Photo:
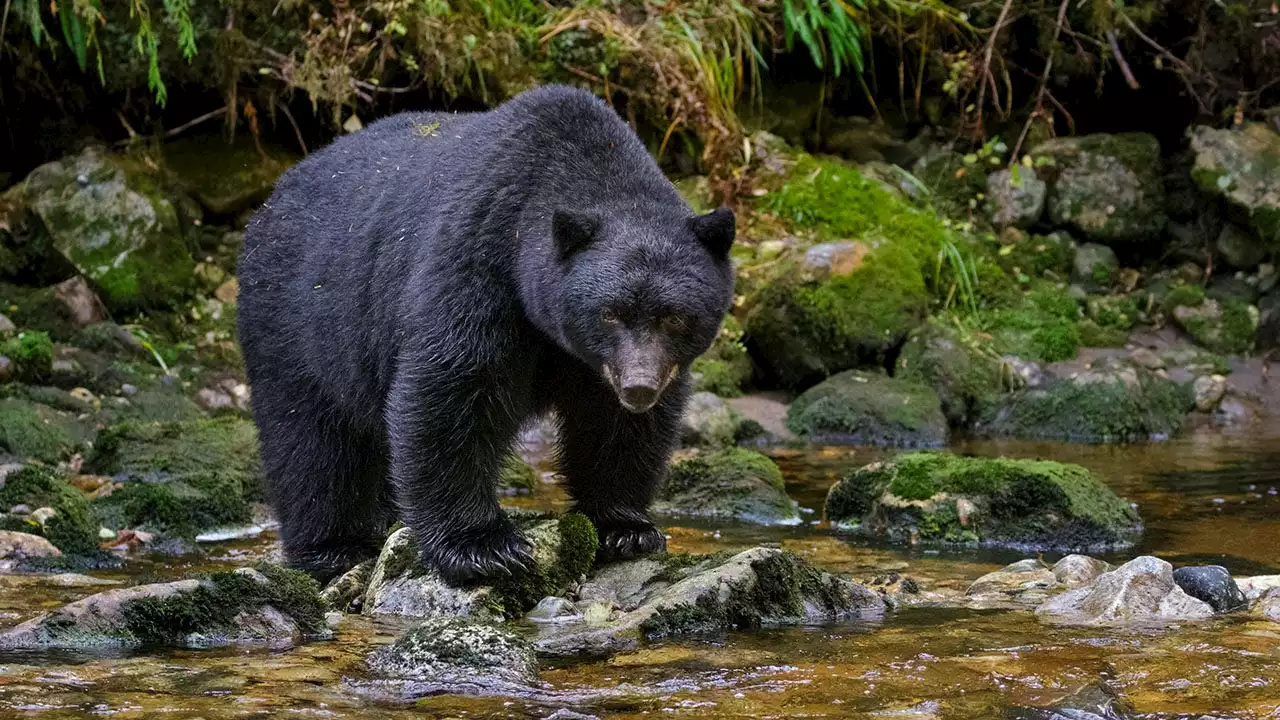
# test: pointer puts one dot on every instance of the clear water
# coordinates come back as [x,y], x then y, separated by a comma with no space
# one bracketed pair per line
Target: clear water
[1205,499]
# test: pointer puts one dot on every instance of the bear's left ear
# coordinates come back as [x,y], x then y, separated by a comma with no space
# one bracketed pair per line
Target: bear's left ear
[715,230]
[573,232]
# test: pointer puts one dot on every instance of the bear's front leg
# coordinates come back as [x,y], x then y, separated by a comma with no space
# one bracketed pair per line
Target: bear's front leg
[614,460]
[449,431]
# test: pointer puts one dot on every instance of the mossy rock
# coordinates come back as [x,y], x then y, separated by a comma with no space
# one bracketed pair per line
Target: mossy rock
[1225,326]
[109,217]
[458,651]
[31,353]
[1109,187]
[38,432]
[27,255]
[39,309]
[180,477]
[1043,328]
[944,498]
[1037,256]
[1126,405]
[74,528]
[812,318]
[518,477]
[564,551]
[724,369]
[733,483]
[226,177]
[869,408]
[1242,166]
[266,604]
[960,367]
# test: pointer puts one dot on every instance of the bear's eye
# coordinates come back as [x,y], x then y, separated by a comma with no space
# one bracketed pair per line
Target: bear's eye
[610,317]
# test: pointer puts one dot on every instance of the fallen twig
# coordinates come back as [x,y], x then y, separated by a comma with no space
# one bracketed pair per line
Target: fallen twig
[1124,65]
[1044,81]
[192,123]
[986,62]
[296,131]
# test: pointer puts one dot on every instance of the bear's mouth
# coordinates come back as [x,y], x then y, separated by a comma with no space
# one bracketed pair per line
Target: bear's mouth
[639,393]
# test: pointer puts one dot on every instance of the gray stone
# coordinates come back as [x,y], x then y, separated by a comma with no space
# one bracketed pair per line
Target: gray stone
[1240,248]
[1258,585]
[1209,390]
[1027,581]
[457,654]
[553,609]
[1212,584]
[401,585]
[1109,187]
[1268,606]
[1096,267]
[1239,165]
[1076,571]
[6,325]
[1015,202]
[1140,592]
[18,546]
[708,421]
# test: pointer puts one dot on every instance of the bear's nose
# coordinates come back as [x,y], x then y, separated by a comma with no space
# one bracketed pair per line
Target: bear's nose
[638,398]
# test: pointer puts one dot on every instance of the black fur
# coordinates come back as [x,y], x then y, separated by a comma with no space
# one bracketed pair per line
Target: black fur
[406,302]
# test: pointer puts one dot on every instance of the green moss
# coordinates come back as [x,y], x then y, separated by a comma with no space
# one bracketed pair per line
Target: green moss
[1038,256]
[1191,296]
[180,477]
[1103,409]
[212,607]
[729,483]
[1093,335]
[1239,328]
[1044,327]
[32,355]
[37,432]
[73,529]
[575,551]
[725,368]
[867,408]
[957,364]
[1020,502]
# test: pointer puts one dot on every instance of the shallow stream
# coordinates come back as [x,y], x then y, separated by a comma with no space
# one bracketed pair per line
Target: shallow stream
[1206,498]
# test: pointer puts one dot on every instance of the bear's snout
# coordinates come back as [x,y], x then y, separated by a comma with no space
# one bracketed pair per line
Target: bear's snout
[640,372]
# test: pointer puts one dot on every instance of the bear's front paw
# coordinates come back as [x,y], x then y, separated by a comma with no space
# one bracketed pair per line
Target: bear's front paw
[483,556]
[631,541]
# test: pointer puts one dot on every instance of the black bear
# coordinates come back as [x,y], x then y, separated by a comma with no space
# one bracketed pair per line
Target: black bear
[414,292]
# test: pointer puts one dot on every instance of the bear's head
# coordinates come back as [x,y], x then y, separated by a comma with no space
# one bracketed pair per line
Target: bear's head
[643,296]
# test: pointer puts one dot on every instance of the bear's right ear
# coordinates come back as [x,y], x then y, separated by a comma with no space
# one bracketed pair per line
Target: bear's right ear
[573,232]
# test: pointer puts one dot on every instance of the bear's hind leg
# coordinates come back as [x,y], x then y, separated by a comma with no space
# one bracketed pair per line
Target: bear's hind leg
[326,480]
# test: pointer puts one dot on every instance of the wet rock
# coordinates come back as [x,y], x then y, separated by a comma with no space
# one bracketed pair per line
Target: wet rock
[1076,571]
[1026,581]
[1268,606]
[1141,591]
[105,214]
[708,421]
[690,596]
[943,498]
[16,547]
[1212,584]
[266,605]
[69,523]
[1015,200]
[1092,702]
[1240,166]
[1102,406]
[401,585]
[1258,585]
[455,655]
[1096,267]
[1233,411]
[1240,248]
[343,590]
[1109,187]
[553,609]
[1209,390]
[868,408]
[733,483]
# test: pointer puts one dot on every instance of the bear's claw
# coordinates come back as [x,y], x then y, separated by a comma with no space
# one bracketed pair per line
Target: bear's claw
[484,557]
[624,543]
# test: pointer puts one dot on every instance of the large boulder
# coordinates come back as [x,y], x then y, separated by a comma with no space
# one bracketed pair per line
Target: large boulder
[1242,166]
[1140,592]
[1096,406]
[266,605]
[960,367]
[869,408]
[1108,187]
[33,431]
[680,596]
[730,484]
[1228,326]
[458,656]
[943,498]
[109,217]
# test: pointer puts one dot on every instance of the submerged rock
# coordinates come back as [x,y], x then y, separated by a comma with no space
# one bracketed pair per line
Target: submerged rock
[457,655]
[1103,406]
[1109,187]
[266,605]
[682,595]
[1212,584]
[1026,581]
[1142,591]
[1076,571]
[1092,702]
[729,484]
[938,497]
[869,408]
[106,214]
